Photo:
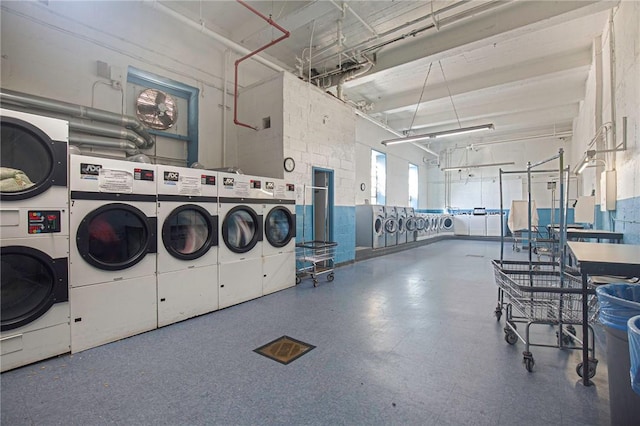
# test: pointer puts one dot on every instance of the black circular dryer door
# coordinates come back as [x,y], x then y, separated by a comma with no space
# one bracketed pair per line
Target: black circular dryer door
[241,229]
[279,227]
[30,162]
[116,236]
[31,282]
[189,232]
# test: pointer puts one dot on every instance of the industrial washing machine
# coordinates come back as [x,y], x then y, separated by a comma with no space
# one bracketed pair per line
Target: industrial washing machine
[188,243]
[446,224]
[401,214]
[279,244]
[370,221]
[411,225]
[241,203]
[422,226]
[113,250]
[34,232]
[390,226]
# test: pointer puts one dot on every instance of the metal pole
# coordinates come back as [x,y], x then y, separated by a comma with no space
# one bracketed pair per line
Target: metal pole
[529,220]
[501,222]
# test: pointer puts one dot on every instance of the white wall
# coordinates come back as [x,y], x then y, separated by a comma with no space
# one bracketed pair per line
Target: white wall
[51,50]
[369,136]
[626,86]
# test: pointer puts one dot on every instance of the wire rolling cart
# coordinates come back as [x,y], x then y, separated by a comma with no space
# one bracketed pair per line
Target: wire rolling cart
[544,292]
[315,257]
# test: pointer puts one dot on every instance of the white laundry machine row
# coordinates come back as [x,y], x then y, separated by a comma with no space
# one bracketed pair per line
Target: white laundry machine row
[370,226]
[241,206]
[422,226]
[35,238]
[113,246]
[411,225]
[187,259]
[279,244]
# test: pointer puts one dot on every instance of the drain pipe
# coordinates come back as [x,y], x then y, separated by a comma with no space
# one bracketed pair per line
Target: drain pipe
[95,141]
[25,100]
[249,55]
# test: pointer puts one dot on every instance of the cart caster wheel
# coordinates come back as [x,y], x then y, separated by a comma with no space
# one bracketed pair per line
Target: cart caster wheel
[315,282]
[517,249]
[330,277]
[528,361]
[593,365]
[498,313]
[298,280]
[510,337]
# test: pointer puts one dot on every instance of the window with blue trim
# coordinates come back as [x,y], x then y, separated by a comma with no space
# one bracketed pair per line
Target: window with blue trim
[179,143]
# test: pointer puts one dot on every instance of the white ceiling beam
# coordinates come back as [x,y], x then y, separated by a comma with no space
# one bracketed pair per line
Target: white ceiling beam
[510,21]
[579,59]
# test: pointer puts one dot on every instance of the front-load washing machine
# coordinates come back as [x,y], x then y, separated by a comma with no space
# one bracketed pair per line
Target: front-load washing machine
[370,221]
[446,224]
[188,243]
[421,227]
[390,226]
[411,224]
[241,201]
[401,213]
[113,250]
[279,244]
[34,232]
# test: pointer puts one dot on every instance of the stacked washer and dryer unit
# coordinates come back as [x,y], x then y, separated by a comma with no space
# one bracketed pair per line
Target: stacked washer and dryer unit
[187,260]
[35,238]
[113,250]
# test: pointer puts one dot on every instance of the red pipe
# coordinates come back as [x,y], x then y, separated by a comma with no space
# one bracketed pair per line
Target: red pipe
[247,56]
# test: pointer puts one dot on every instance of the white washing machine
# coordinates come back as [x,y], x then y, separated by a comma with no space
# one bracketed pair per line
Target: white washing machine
[446,224]
[422,226]
[113,250]
[411,224]
[187,259]
[241,203]
[401,214]
[435,225]
[390,226]
[370,220]
[34,231]
[279,244]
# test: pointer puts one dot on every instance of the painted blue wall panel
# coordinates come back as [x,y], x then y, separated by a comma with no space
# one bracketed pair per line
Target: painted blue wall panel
[344,229]
[627,210]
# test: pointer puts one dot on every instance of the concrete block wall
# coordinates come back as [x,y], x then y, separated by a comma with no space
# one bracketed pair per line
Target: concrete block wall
[625,68]
[319,132]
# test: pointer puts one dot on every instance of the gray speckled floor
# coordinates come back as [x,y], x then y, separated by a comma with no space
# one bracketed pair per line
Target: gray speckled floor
[408,338]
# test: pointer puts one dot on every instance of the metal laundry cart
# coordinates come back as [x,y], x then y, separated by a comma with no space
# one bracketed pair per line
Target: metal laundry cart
[545,292]
[313,257]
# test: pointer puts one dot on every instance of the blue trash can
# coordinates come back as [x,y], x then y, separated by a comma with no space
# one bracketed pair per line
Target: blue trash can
[633,330]
[618,303]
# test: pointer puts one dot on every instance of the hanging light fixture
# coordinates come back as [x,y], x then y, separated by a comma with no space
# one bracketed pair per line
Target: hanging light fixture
[476,166]
[434,135]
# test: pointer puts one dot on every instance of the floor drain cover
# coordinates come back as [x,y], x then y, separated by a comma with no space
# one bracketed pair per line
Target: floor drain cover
[284,349]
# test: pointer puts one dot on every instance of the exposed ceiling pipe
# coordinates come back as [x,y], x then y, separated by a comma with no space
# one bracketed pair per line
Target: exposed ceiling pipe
[109,131]
[199,26]
[95,141]
[388,32]
[355,14]
[25,100]
[285,35]
[348,76]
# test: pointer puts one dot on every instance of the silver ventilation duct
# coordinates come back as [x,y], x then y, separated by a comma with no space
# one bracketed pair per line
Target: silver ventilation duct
[10,97]
[96,141]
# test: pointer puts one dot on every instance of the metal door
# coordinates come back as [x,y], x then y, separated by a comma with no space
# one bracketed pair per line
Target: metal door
[241,229]
[280,226]
[189,232]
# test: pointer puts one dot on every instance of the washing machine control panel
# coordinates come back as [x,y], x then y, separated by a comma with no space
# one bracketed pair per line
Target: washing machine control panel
[44,221]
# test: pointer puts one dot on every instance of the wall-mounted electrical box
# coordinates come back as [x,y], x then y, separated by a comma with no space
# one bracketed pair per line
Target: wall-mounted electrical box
[608,192]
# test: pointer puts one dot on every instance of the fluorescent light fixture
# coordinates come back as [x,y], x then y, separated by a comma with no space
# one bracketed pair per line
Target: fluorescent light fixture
[476,166]
[434,135]
[586,159]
